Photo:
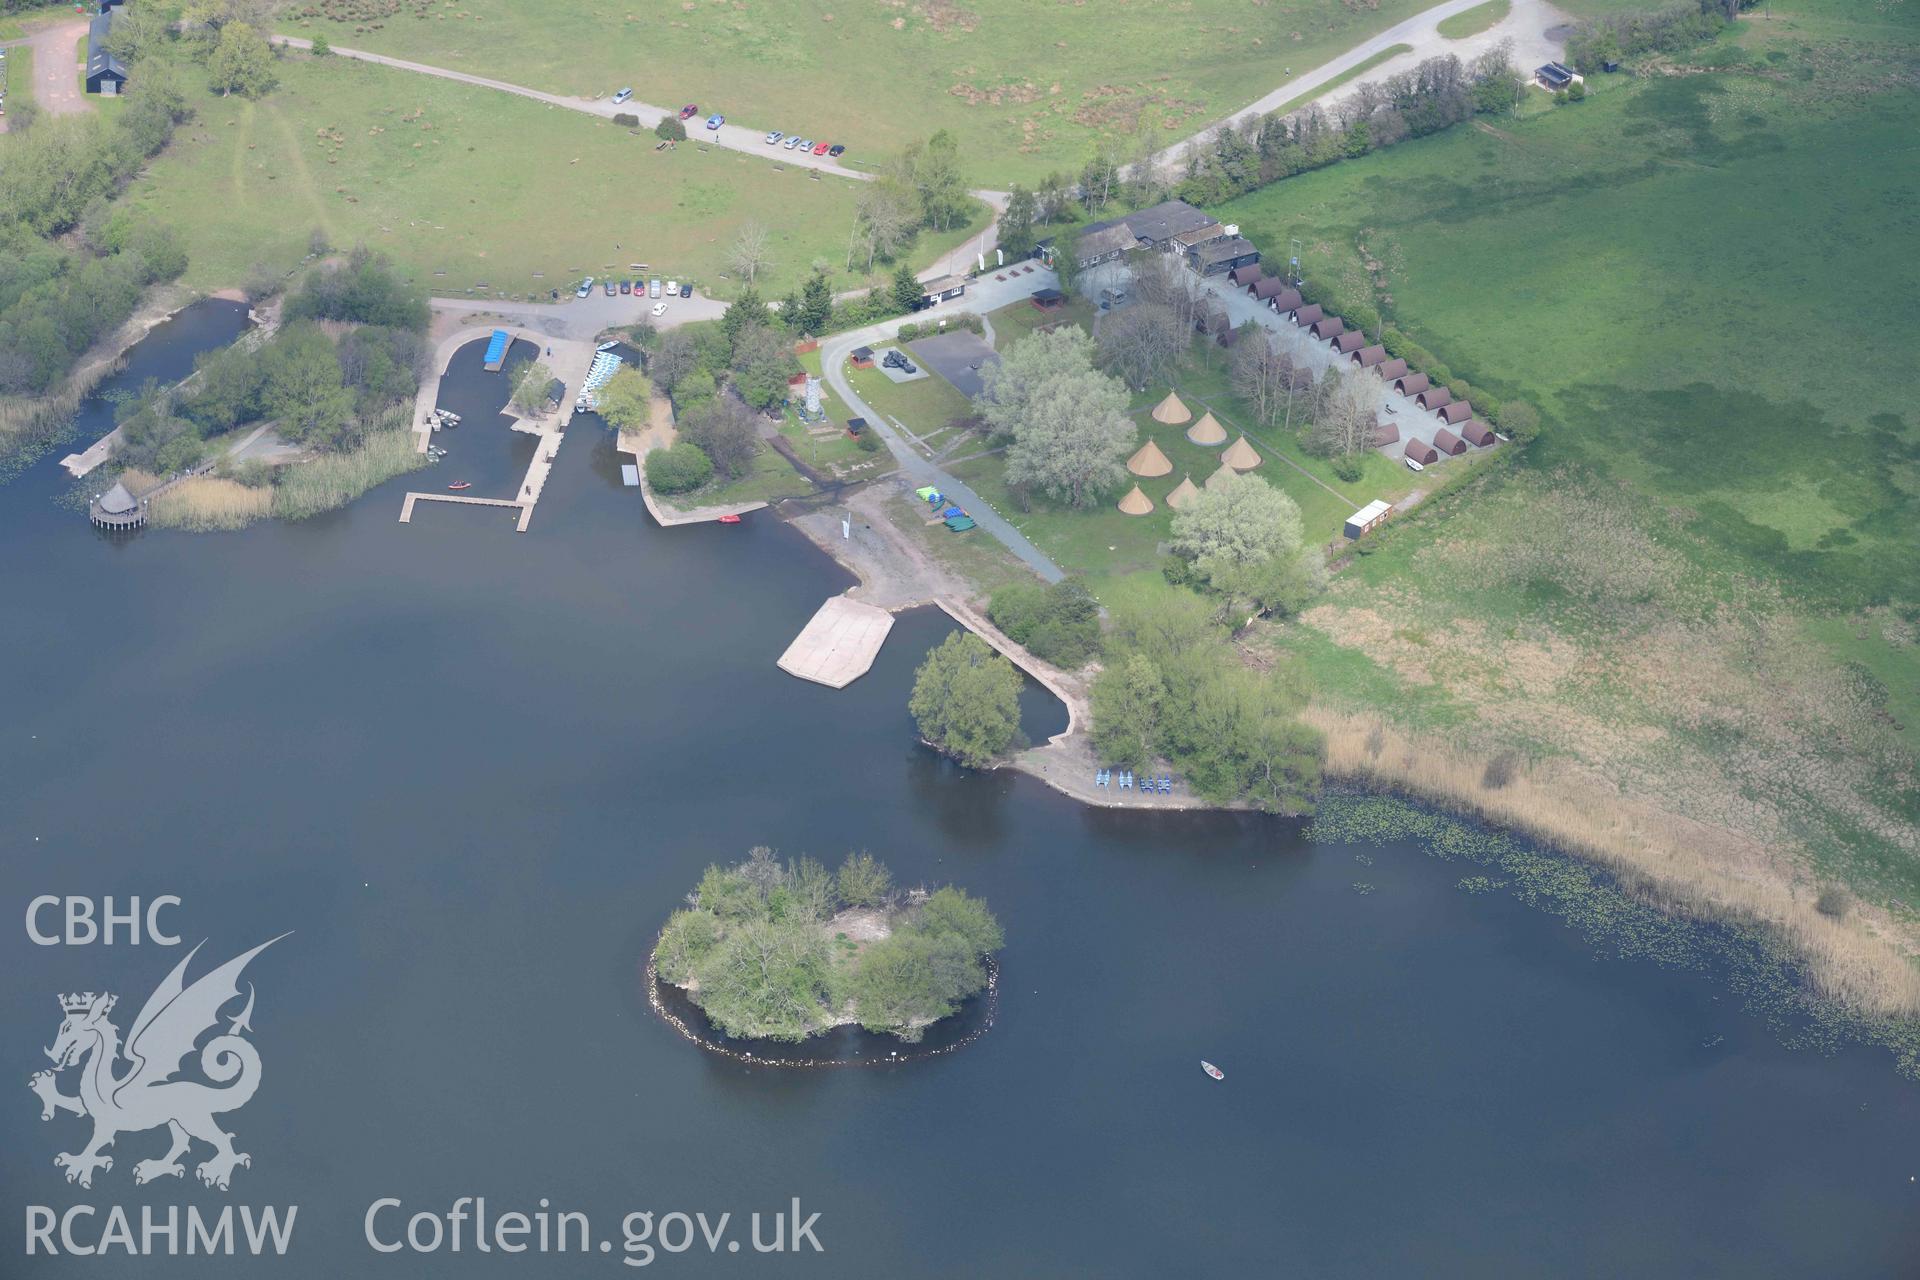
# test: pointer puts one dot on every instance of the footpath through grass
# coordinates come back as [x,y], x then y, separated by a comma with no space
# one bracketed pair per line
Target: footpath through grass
[1025,90]
[470,189]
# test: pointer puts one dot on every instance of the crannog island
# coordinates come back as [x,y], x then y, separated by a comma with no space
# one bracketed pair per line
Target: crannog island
[773,950]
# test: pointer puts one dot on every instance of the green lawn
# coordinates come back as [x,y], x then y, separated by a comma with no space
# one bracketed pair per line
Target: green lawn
[470,189]
[18,78]
[926,404]
[1353,72]
[771,477]
[16,25]
[1025,89]
[1471,22]
[1609,260]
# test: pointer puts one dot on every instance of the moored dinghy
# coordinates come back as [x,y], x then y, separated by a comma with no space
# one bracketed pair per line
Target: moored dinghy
[1212,1070]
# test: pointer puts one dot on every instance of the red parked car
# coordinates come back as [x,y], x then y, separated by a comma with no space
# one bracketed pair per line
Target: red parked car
[820,148]
[689,111]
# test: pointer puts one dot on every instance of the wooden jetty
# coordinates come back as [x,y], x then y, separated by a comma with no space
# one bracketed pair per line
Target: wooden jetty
[838,644]
[524,508]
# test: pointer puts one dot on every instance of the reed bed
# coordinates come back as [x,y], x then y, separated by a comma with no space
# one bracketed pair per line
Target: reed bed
[333,480]
[1675,863]
[208,504]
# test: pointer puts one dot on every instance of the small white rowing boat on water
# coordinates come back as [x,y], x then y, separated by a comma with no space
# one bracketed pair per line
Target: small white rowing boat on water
[1212,1070]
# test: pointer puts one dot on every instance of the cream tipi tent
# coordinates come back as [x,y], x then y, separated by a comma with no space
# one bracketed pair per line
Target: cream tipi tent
[1182,494]
[1241,456]
[1149,461]
[1171,411]
[1220,477]
[1207,432]
[1136,503]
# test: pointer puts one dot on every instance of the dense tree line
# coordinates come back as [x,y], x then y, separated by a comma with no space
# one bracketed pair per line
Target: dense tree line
[1172,688]
[364,289]
[1059,623]
[317,391]
[1618,37]
[57,298]
[1436,94]
[758,950]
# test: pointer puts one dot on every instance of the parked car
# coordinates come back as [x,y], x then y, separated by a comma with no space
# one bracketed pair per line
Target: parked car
[774,137]
[686,291]
[659,308]
[653,287]
[806,144]
[626,286]
[622,96]
[689,111]
[820,148]
[673,288]
[836,150]
[715,121]
[793,140]
[586,287]
[610,289]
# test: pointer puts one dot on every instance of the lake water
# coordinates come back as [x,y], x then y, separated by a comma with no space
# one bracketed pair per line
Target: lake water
[474,770]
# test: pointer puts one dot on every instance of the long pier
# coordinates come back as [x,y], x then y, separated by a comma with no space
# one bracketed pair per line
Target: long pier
[524,508]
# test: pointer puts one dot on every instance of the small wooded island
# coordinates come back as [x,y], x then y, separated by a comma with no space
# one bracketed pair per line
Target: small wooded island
[773,950]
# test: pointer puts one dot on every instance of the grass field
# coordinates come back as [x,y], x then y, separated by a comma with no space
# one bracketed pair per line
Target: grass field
[18,78]
[465,187]
[1472,22]
[1025,89]
[1702,586]
[1352,73]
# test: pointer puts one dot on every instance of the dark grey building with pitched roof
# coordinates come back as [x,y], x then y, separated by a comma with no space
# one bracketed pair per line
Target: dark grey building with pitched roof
[1223,255]
[106,74]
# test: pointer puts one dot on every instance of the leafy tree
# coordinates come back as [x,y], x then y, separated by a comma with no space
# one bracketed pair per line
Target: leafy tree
[303,389]
[1060,623]
[690,936]
[1016,224]
[322,47]
[626,401]
[1174,689]
[365,288]
[864,881]
[951,912]
[1126,711]
[529,382]
[679,468]
[677,355]
[762,362]
[137,30]
[671,129]
[1519,420]
[1242,520]
[907,292]
[242,62]
[1071,433]
[966,700]
[727,431]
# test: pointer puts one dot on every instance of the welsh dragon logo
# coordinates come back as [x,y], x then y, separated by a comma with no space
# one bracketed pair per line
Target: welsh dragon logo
[145,1095]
